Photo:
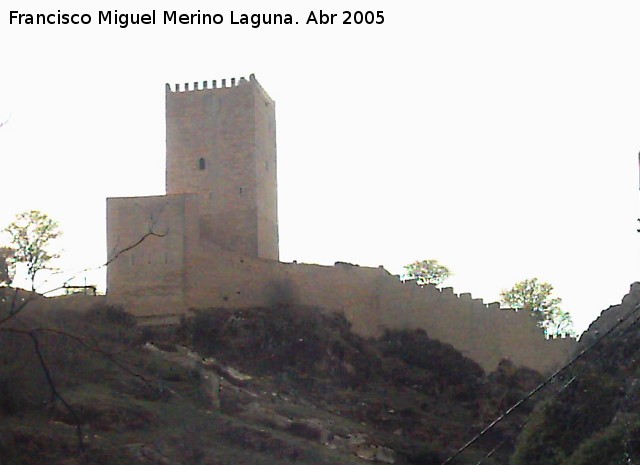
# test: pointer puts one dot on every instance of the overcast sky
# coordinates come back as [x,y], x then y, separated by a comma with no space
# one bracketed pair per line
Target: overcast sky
[498,137]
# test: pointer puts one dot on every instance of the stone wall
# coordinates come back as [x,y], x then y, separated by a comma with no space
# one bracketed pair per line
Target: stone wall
[30,303]
[373,300]
[146,239]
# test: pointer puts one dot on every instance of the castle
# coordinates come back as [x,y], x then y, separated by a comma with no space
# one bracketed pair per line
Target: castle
[212,241]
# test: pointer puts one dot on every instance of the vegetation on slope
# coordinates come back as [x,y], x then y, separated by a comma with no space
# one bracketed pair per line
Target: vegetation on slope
[257,386]
[594,417]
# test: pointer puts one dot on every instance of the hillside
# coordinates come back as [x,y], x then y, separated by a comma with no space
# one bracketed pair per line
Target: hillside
[593,414]
[258,386]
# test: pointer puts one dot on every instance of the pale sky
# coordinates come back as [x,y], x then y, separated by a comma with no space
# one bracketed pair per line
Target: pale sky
[498,137]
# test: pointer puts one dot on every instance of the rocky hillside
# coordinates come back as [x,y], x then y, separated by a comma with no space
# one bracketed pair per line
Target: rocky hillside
[259,386]
[592,414]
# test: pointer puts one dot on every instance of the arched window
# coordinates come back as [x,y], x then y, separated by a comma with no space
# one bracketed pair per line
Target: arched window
[201,164]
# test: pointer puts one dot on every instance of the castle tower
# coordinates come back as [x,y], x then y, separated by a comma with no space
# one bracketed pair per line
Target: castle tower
[221,144]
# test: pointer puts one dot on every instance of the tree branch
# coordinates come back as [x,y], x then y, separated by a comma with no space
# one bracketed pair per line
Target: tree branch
[108,355]
[47,373]
[15,309]
[17,306]
[109,261]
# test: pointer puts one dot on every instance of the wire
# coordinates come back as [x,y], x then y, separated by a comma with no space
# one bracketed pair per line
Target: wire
[544,383]
[523,424]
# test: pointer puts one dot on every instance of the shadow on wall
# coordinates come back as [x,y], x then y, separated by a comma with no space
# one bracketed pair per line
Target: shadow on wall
[281,292]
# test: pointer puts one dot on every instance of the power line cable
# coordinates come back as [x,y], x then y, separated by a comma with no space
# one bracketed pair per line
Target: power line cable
[523,424]
[543,384]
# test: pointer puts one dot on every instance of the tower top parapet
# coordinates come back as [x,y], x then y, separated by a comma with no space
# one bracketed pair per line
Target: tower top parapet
[208,85]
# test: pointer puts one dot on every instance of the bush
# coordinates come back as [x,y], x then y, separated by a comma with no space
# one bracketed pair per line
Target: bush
[604,448]
[448,368]
[114,315]
[12,401]
[22,382]
[557,427]
[305,430]
[426,456]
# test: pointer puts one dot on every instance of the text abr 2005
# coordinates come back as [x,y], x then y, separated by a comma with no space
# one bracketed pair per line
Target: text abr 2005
[363,17]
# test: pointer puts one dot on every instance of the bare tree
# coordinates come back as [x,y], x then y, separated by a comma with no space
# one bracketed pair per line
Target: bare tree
[12,303]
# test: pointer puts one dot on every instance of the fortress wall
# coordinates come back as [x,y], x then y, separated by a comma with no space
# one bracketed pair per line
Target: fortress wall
[482,332]
[458,320]
[372,300]
[518,334]
[74,302]
[342,288]
[266,173]
[219,278]
[34,303]
[148,278]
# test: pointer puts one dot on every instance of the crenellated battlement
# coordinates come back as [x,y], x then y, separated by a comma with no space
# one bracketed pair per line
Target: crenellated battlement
[448,293]
[208,85]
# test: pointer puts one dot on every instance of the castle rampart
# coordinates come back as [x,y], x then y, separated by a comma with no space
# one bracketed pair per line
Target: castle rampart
[212,242]
[372,300]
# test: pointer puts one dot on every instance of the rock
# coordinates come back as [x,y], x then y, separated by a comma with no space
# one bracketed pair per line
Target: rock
[210,384]
[339,443]
[611,316]
[232,375]
[625,418]
[311,429]
[386,455]
[356,439]
[366,453]
[267,416]
[112,415]
[145,455]
[374,453]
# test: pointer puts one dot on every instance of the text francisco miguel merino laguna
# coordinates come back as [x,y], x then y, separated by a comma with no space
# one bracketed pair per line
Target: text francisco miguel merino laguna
[254,20]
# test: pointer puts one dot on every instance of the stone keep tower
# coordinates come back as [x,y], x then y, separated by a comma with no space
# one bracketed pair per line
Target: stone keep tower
[221,144]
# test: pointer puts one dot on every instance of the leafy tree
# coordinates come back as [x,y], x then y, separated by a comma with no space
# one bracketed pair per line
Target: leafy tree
[7,265]
[536,297]
[427,272]
[31,235]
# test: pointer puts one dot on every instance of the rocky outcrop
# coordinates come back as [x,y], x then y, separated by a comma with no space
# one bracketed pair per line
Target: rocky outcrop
[613,315]
[594,414]
[142,454]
